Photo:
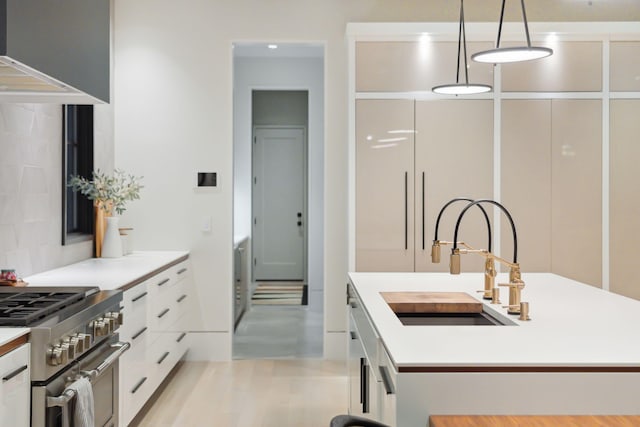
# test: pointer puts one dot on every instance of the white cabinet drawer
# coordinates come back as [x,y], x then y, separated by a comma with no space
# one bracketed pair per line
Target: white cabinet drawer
[136,299]
[161,356]
[15,388]
[160,284]
[181,271]
[134,394]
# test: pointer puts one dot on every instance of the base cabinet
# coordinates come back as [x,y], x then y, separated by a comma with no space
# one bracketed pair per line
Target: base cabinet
[156,323]
[15,388]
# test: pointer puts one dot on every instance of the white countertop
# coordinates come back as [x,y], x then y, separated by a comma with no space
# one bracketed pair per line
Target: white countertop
[10,334]
[573,324]
[106,273]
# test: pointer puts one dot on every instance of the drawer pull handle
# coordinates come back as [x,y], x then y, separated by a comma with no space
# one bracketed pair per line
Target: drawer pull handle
[140,332]
[139,297]
[14,373]
[182,270]
[181,337]
[163,282]
[164,356]
[165,311]
[181,298]
[137,386]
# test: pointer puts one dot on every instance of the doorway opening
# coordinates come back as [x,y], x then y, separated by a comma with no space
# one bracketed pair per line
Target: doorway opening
[278,200]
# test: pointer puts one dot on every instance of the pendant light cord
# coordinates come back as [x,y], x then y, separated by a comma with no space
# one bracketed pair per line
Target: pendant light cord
[462,45]
[524,19]
[459,44]
[500,24]
[526,26]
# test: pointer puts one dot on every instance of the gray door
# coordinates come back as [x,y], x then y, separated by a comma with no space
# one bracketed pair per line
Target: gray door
[279,177]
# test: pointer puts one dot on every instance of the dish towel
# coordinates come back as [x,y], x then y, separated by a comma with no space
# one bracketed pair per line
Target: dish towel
[83,412]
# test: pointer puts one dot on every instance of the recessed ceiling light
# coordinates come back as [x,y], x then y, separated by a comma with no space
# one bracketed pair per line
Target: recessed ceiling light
[272,46]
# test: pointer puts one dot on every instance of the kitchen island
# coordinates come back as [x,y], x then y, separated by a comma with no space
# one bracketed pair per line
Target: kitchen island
[580,353]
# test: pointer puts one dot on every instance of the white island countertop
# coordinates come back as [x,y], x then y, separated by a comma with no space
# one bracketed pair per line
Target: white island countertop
[573,326]
[108,273]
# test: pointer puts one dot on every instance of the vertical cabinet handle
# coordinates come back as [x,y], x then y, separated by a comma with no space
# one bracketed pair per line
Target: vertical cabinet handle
[365,387]
[406,211]
[423,246]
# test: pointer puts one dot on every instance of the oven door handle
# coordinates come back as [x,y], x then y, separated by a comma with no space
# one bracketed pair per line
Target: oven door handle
[95,373]
[62,401]
[69,394]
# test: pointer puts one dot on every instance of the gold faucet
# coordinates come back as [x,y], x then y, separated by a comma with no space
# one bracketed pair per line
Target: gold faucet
[516,284]
[435,247]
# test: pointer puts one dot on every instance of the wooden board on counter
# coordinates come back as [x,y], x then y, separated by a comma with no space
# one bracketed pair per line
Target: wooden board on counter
[432,302]
[534,421]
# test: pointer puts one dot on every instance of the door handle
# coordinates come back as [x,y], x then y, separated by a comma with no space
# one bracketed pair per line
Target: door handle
[299,223]
[299,214]
[406,211]
[423,243]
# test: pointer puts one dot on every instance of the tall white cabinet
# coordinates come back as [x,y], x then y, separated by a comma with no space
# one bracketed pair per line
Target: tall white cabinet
[411,158]
[385,185]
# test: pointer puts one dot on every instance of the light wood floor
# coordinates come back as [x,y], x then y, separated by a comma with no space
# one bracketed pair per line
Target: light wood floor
[251,393]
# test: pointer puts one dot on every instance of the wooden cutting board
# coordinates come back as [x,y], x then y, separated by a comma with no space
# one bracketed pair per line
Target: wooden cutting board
[432,302]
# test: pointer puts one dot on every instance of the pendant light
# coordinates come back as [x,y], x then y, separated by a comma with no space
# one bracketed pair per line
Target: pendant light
[458,88]
[501,55]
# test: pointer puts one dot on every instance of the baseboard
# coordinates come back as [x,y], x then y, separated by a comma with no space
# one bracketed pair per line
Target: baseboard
[209,347]
[335,345]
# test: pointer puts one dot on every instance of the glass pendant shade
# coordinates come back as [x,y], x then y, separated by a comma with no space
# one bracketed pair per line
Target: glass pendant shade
[458,88]
[503,55]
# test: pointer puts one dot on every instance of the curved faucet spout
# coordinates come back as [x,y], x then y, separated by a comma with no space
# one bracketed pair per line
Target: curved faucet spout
[435,248]
[503,209]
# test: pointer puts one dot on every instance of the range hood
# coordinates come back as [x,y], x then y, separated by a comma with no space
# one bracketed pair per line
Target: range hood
[55,51]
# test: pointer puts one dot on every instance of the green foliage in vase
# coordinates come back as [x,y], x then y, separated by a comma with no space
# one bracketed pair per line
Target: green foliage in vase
[109,192]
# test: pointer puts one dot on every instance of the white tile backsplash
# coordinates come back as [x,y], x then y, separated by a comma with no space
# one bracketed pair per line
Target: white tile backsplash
[31,188]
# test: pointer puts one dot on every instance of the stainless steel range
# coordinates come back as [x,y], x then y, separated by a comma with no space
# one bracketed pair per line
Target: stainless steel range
[73,335]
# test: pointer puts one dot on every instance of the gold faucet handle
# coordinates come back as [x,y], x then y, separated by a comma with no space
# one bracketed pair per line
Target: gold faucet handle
[519,285]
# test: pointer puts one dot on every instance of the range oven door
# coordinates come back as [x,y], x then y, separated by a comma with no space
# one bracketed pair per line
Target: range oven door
[53,404]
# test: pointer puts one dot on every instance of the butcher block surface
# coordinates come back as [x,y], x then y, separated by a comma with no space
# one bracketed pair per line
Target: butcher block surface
[432,302]
[534,421]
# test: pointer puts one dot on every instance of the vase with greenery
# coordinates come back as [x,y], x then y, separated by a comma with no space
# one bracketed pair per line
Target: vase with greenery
[109,193]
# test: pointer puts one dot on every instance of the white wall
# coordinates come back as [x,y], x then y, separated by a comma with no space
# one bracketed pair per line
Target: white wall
[173,117]
[283,74]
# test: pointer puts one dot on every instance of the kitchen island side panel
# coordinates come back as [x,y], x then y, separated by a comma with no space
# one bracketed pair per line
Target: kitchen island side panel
[420,395]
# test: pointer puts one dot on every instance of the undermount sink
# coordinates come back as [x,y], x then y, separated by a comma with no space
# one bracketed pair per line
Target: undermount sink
[441,309]
[451,319]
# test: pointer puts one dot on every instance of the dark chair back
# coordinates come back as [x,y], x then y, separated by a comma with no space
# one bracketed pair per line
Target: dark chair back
[353,421]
